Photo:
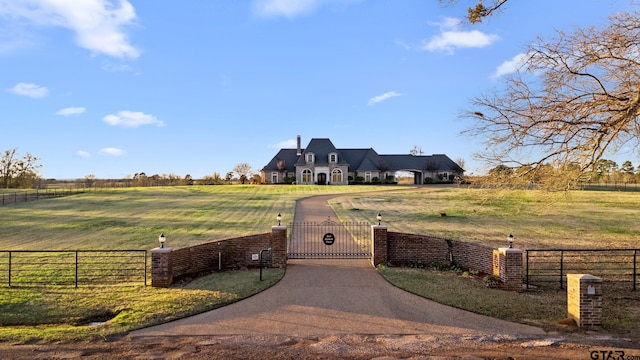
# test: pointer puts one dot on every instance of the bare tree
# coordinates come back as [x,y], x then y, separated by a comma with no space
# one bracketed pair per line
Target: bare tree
[243,170]
[18,171]
[575,99]
[416,151]
[481,9]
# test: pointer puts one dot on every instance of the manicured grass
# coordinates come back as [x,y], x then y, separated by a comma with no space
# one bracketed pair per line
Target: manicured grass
[133,218]
[537,219]
[67,314]
[543,308]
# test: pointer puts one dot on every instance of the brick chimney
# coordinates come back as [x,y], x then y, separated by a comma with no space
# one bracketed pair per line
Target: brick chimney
[299,152]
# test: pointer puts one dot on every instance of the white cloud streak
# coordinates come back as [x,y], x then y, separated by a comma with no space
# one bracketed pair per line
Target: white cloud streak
[510,66]
[388,95]
[71,111]
[132,119]
[451,37]
[30,90]
[286,8]
[286,144]
[97,24]
[111,151]
[293,8]
[83,154]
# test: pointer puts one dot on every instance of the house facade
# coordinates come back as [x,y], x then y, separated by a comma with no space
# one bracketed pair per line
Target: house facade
[322,163]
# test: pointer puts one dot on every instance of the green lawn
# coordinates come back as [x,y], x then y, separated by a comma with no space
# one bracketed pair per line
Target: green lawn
[133,218]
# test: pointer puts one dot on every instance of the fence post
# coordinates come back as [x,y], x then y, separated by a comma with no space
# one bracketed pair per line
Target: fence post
[10,268]
[76,269]
[278,247]
[507,264]
[635,267]
[584,299]
[561,269]
[379,253]
[527,275]
[161,267]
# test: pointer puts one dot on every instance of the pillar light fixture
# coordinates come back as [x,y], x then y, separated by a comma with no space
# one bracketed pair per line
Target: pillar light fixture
[379,217]
[279,218]
[162,239]
[510,237]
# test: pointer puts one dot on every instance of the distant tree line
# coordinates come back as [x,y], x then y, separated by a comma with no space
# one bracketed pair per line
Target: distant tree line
[546,176]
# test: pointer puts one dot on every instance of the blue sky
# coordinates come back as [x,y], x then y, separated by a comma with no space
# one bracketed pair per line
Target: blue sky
[113,88]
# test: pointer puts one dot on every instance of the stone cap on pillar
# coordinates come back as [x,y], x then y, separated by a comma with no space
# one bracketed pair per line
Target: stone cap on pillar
[278,227]
[586,277]
[161,250]
[507,250]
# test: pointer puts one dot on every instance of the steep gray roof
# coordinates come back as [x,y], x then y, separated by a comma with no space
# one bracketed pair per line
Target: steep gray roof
[321,148]
[438,162]
[360,159]
[288,158]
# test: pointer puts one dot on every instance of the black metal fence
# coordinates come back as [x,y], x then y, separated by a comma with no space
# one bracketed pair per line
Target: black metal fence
[550,267]
[31,195]
[329,240]
[72,268]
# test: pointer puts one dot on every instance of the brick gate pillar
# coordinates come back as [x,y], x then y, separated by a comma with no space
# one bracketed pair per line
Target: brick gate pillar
[507,265]
[161,267]
[379,253]
[279,246]
[584,299]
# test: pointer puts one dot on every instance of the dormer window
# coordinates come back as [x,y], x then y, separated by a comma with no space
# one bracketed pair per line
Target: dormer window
[333,158]
[310,158]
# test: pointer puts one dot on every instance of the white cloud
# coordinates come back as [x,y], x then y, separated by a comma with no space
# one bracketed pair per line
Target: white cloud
[383,97]
[293,8]
[29,90]
[510,66]
[82,153]
[286,144]
[97,24]
[110,151]
[286,8]
[451,37]
[71,111]
[132,119]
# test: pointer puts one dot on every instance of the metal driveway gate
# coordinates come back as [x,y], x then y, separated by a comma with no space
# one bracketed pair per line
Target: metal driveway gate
[329,240]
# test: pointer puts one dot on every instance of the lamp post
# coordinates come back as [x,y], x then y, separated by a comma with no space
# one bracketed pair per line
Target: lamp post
[510,237]
[379,217]
[262,251]
[279,218]
[162,239]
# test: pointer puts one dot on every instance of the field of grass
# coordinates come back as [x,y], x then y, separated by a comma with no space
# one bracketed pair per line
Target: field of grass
[133,218]
[537,219]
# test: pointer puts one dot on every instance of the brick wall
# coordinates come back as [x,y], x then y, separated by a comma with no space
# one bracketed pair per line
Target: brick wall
[235,253]
[404,248]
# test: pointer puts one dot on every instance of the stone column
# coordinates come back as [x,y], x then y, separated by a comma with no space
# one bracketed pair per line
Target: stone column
[379,252]
[161,267]
[507,265]
[584,299]
[279,246]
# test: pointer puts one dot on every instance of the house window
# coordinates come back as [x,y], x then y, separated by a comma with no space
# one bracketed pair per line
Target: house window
[336,176]
[274,177]
[309,158]
[306,176]
[333,158]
